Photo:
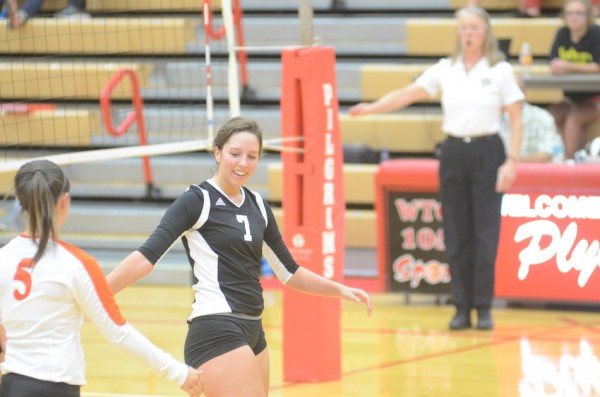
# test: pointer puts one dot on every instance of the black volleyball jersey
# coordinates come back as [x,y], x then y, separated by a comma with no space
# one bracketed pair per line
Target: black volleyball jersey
[224,244]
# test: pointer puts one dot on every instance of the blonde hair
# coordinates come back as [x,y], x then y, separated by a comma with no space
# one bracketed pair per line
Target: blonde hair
[589,10]
[491,50]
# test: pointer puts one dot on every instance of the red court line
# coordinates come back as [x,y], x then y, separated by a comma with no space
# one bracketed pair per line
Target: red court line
[405,361]
[590,326]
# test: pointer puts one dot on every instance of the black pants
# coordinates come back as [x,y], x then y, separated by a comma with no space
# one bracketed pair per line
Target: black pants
[471,216]
[15,385]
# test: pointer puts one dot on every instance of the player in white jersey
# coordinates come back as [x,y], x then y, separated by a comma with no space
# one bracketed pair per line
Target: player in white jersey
[46,288]
[226,229]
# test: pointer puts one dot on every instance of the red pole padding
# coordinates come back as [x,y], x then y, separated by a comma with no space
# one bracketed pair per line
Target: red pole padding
[313,206]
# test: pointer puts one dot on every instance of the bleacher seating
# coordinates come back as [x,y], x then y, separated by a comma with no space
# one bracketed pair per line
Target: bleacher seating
[437,37]
[116,36]
[289,5]
[73,127]
[126,6]
[418,131]
[378,79]
[406,132]
[6,186]
[32,80]
[359,188]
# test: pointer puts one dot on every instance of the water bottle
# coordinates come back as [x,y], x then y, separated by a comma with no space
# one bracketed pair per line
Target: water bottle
[525,59]
[558,151]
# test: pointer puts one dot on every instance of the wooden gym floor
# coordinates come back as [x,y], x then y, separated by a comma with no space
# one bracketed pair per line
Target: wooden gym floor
[402,350]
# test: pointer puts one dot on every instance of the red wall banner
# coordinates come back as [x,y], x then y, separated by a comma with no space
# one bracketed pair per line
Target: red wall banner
[314,208]
[549,246]
[549,240]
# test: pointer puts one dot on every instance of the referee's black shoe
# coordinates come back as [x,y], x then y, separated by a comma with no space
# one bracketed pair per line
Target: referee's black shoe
[461,320]
[484,319]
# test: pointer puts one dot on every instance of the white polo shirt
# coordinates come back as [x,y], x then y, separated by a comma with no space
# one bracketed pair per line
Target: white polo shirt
[471,102]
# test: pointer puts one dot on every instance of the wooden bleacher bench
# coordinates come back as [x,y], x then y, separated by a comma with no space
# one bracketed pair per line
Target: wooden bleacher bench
[376,80]
[417,132]
[133,5]
[112,36]
[65,80]
[49,128]
[506,4]
[194,5]
[399,133]
[361,228]
[437,36]
[359,188]
[7,181]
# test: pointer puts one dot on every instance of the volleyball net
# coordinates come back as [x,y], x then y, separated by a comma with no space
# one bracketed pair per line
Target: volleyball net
[129,78]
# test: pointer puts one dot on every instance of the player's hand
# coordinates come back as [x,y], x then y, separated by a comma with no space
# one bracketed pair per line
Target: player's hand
[358,295]
[193,383]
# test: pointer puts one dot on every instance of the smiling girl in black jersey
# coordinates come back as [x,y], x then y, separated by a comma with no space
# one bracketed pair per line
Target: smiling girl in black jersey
[226,229]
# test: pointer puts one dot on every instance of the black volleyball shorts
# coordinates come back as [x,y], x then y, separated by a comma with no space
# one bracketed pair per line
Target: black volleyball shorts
[213,335]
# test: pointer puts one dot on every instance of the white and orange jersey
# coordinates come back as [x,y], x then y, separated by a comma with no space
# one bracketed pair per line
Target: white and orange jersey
[42,310]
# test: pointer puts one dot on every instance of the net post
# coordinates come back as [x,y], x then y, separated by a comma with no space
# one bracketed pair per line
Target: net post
[314,208]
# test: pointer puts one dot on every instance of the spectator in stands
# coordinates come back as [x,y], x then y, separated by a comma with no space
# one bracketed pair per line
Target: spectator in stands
[576,49]
[17,17]
[541,140]
[47,286]
[476,85]
[533,8]
[225,228]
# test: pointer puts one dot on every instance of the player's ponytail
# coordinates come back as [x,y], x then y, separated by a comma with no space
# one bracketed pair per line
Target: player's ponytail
[39,184]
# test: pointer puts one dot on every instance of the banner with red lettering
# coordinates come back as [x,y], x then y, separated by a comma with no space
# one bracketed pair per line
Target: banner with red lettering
[549,247]
[416,243]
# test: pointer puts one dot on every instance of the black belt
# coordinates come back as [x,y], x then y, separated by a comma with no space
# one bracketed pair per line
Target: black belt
[472,139]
